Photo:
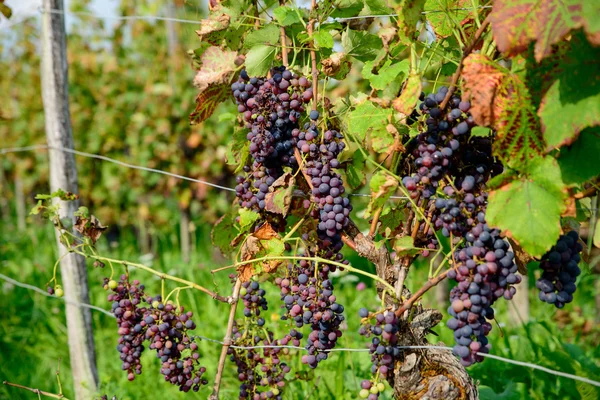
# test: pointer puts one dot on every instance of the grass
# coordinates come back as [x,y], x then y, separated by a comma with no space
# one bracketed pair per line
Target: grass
[33,332]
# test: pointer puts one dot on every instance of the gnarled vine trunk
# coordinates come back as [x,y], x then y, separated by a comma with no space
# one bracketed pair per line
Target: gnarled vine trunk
[429,373]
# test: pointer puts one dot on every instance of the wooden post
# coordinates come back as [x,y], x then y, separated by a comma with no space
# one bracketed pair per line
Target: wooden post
[63,175]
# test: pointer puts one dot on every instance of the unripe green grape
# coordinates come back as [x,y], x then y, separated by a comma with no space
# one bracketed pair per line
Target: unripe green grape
[59,292]
[381,386]
[112,284]
[363,394]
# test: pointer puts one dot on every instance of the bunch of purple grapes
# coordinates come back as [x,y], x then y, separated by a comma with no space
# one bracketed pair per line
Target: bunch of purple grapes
[384,349]
[164,326]
[126,299]
[260,371]
[560,271]
[309,300]
[485,271]
[271,109]
[168,334]
[320,153]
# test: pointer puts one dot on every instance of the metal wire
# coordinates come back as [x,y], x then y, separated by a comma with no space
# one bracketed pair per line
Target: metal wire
[338,349]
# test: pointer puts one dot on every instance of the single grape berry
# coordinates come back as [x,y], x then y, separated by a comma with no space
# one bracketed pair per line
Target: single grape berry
[314,115]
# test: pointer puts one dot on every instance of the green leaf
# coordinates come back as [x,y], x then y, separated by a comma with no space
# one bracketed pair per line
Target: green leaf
[223,232]
[528,209]
[268,35]
[409,13]
[286,15]
[573,101]
[386,74]
[355,171]
[405,245]
[481,131]
[517,23]
[579,162]
[279,199]
[407,101]
[259,60]
[37,208]
[513,391]
[444,22]
[247,218]
[361,45]
[367,118]
[376,7]
[347,8]
[272,247]
[382,187]
[323,39]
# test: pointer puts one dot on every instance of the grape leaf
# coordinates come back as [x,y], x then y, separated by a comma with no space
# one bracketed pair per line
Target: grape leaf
[376,7]
[223,232]
[369,119]
[265,242]
[407,101]
[382,187]
[286,15]
[267,35]
[238,149]
[596,239]
[212,80]
[279,199]
[363,46]
[444,22]
[214,28]
[259,60]
[500,100]
[323,39]
[573,101]
[409,13]
[247,218]
[579,162]
[480,131]
[355,171]
[528,209]
[386,74]
[516,23]
[207,101]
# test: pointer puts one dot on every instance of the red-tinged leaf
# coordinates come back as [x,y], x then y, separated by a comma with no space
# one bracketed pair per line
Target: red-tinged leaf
[213,79]
[207,101]
[406,102]
[279,200]
[516,23]
[502,101]
[214,28]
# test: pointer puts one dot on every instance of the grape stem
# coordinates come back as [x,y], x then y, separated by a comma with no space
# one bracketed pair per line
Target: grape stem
[590,192]
[226,340]
[313,56]
[430,283]
[465,54]
[284,54]
[374,222]
[36,391]
[154,272]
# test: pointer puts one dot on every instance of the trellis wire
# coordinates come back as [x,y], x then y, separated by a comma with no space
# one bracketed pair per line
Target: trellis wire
[148,169]
[339,349]
[133,166]
[196,22]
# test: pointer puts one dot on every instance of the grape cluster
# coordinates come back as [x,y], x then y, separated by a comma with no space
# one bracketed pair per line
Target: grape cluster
[271,109]
[167,331]
[126,306]
[384,349]
[450,169]
[260,371]
[309,300]
[560,271]
[163,325]
[485,271]
[321,152]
